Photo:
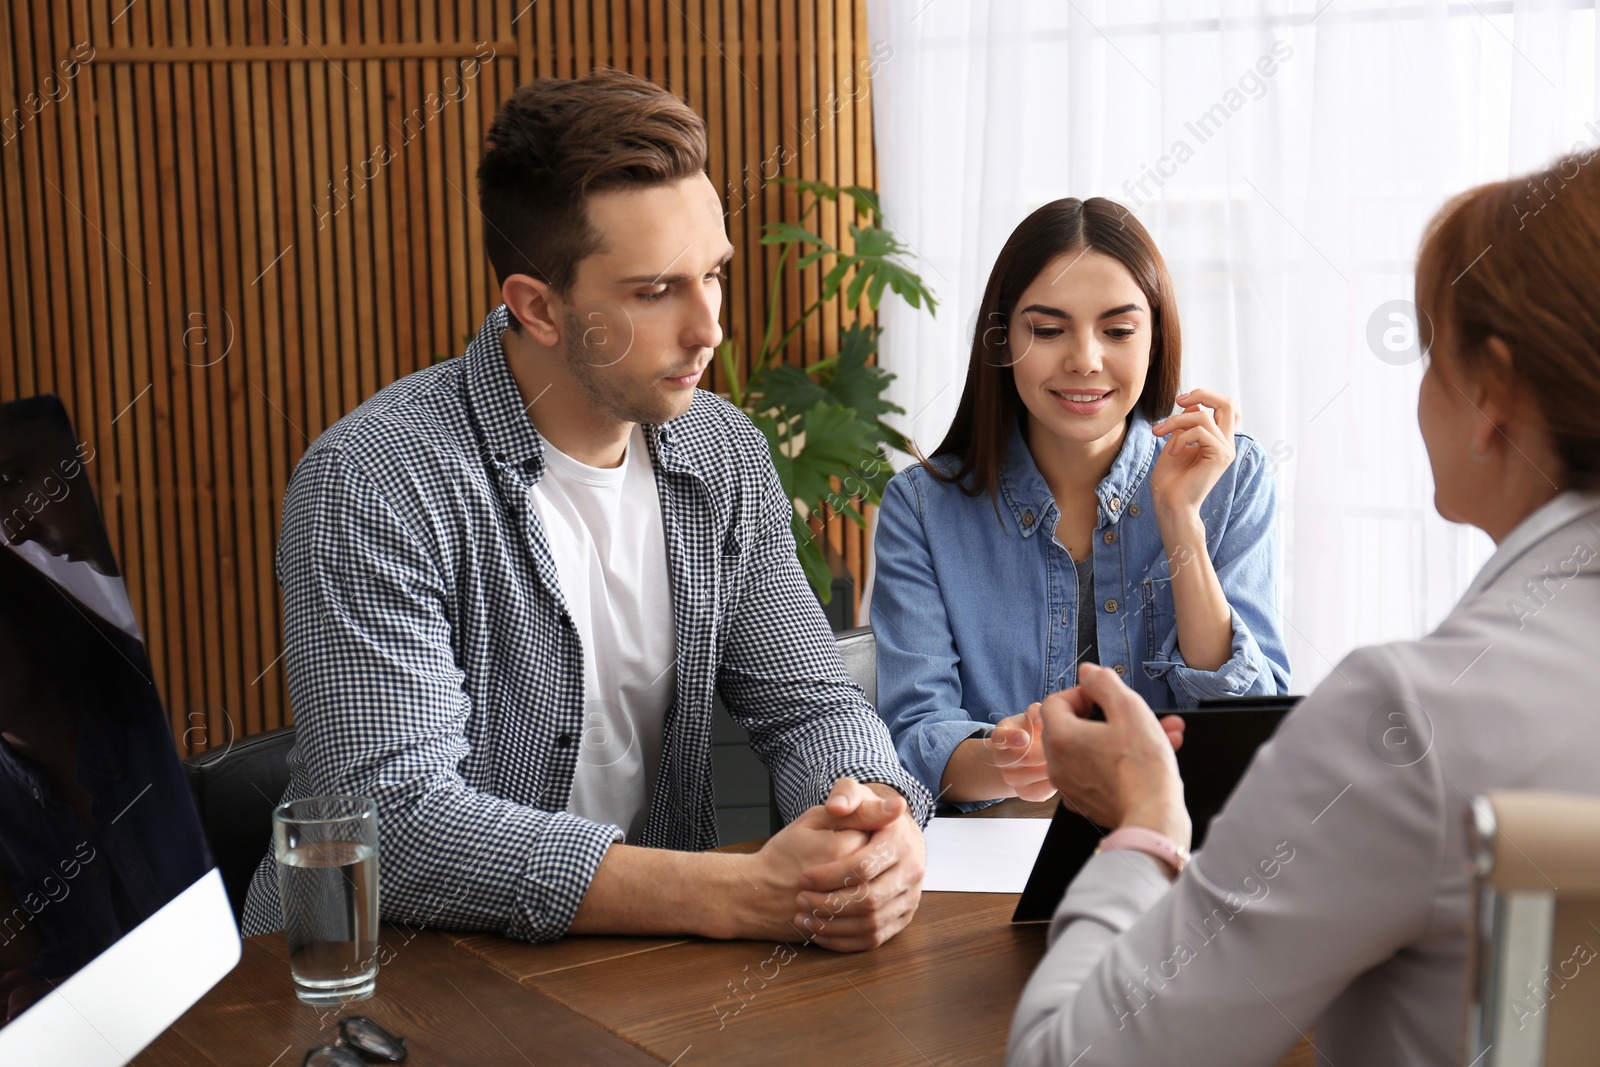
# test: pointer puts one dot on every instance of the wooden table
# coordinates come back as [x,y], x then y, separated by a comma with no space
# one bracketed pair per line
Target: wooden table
[941,992]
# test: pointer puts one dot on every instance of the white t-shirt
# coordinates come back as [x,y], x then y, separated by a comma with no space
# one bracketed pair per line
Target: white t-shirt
[605,532]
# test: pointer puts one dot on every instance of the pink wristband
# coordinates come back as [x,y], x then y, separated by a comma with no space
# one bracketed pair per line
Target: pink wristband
[1151,843]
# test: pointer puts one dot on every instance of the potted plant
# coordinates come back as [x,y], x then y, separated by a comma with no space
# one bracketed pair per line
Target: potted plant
[824,423]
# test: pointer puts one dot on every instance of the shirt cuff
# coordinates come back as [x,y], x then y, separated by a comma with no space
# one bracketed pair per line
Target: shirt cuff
[984,730]
[1240,676]
[927,748]
[918,799]
[561,864]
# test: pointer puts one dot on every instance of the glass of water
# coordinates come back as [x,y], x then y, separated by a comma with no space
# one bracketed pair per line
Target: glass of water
[327,853]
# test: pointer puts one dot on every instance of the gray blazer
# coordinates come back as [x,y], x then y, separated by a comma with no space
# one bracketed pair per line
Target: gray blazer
[1334,888]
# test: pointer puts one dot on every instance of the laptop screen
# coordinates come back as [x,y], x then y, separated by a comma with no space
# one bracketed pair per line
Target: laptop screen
[97,827]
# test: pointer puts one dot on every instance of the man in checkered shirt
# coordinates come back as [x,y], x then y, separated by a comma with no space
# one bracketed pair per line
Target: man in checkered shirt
[513,582]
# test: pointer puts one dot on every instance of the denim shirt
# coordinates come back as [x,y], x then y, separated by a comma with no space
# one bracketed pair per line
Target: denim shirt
[976,613]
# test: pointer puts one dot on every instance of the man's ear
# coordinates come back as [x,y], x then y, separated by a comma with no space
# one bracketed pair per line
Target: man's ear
[532,303]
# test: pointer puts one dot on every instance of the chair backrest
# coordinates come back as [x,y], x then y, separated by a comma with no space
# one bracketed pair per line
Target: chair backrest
[1536,948]
[236,788]
[859,649]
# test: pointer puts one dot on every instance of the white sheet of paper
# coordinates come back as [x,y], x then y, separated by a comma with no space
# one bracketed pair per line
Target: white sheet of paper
[981,855]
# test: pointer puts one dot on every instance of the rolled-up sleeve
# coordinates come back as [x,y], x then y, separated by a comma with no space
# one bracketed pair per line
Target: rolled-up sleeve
[919,686]
[782,678]
[380,711]
[1245,556]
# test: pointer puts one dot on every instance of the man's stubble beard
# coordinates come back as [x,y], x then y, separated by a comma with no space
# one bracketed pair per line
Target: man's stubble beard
[600,384]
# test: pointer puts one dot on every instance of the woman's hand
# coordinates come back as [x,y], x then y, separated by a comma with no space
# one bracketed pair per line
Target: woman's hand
[1121,772]
[1019,755]
[1199,448]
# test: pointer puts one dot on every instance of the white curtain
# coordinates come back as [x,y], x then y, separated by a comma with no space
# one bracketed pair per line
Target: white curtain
[1286,157]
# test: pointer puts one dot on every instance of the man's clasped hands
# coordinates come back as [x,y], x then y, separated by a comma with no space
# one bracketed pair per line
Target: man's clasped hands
[857,860]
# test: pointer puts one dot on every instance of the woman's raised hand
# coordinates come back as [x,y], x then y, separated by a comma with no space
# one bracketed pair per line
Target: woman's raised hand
[1199,448]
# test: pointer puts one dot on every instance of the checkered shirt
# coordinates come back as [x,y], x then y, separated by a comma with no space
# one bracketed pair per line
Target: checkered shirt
[433,665]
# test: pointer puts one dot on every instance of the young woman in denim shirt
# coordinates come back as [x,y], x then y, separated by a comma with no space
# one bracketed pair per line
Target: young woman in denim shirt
[1069,515]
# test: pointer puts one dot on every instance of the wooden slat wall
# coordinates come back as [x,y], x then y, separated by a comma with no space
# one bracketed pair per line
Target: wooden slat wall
[200,258]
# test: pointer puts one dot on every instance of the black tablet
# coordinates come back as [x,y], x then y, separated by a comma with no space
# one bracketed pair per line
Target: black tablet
[1219,739]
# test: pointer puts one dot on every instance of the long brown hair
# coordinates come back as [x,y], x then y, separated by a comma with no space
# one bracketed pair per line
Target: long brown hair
[989,408]
[1517,260]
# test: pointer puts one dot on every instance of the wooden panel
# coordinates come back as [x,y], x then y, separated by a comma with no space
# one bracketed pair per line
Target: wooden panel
[202,257]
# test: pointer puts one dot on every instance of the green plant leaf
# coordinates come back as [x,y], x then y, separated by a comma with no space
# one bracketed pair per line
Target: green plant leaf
[780,462]
[908,287]
[849,511]
[874,243]
[809,185]
[835,275]
[726,352]
[866,201]
[835,441]
[789,233]
[864,271]
[854,384]
[824,425]
[893,437]
[813,256]
[787,387]
[877,477]
[875,289]
[812,560]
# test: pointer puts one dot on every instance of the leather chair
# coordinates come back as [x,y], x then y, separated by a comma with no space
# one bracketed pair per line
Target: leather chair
[859,649]
[235,788]
[1535,975]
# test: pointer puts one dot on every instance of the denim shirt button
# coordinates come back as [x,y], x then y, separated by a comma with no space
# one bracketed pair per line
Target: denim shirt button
[1111,605]
[1027,518]
[1120,669]
[1110,537]
[1116,503]
[1133,509]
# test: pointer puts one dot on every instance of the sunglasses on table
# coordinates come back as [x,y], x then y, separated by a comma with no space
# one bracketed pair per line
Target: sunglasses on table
[360,1042]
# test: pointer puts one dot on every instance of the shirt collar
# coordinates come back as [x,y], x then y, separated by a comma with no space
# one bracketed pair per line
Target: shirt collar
[1028,496]
[508,434]
[495,402]
[1544,521]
